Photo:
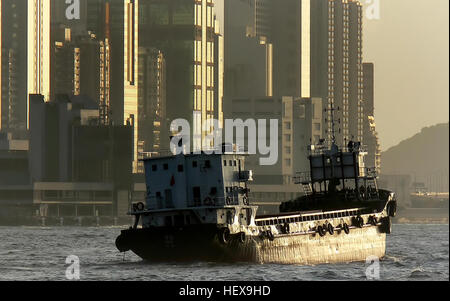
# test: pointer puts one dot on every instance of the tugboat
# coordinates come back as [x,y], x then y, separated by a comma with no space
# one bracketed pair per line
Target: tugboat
[198,209]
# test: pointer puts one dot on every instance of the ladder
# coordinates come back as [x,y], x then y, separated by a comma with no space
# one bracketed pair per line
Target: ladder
[371,182]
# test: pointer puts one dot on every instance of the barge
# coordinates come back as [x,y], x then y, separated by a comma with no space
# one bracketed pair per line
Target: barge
[198,209]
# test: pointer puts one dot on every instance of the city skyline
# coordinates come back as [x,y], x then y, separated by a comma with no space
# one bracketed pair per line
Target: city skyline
[372,54]
[379,34]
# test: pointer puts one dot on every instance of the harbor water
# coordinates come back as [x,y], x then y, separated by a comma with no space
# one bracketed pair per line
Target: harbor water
[414,252]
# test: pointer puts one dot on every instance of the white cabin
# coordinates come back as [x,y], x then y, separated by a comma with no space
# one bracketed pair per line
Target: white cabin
[197,188]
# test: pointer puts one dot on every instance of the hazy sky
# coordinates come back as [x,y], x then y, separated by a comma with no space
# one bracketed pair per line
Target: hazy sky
[409,46]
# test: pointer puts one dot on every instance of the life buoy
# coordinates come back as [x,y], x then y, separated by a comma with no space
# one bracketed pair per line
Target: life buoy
[122,244]
[321,231]
[373,220]
[224,235]
[330,229]
[387,225]
[286,228]
[242,237]
[140,206]
[359,221]
[346,228]
[392,209]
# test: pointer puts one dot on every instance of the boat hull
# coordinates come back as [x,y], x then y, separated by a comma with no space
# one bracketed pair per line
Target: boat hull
[201,243]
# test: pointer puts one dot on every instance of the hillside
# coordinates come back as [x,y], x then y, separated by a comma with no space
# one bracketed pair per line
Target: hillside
[425,156]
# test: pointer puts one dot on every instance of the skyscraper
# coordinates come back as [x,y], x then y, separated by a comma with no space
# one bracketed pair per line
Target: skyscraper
[131,71]
[13,64]
[39,48]
[1,64]
[336,66]
[116,22]
[185,32]
[248,49]
[152,99]
[369,127]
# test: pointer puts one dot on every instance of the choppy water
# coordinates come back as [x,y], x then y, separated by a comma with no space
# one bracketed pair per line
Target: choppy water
[414,252]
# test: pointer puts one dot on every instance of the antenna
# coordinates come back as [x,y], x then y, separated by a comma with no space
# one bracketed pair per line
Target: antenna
[333,122]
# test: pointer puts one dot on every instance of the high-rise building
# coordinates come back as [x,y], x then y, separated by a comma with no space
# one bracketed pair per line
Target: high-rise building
[117,23]
[1,64]
[185,33]
[131,71]
[248,49]
[287,54]
[63,65]
[39,48]
[336,66]
[80,66]
[371,139]
[299,125]
[13,64]
[152,99]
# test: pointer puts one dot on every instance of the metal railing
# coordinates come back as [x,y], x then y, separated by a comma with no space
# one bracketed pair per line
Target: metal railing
[154,203]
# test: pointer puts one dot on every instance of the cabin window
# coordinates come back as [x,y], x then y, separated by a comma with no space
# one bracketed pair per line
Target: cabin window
[207,164]
[197,196]
[169,200]
[166,166]
[159,200]
[224,162]
[213,191]
[235,163]
[154,167]
[179,220]
[194,164]
[231,162]
[180,168]
[168,221]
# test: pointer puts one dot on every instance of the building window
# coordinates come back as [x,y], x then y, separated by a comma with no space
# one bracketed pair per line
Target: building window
[180,168]
[154,167]
[194,164]
[166,166]
[317,126]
